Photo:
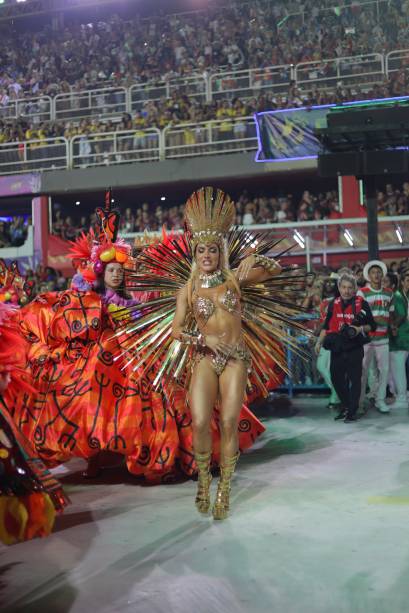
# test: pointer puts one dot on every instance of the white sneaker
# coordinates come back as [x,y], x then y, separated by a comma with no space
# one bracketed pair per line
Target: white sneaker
[399,404]
[382,407]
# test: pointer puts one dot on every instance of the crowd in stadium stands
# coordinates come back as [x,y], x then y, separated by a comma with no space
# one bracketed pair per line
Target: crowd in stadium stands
[251,210]
[80,56]
[128,52]
[179,108]
[46,279]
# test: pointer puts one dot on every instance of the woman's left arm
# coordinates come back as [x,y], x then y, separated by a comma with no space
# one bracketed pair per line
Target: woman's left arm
[256,269]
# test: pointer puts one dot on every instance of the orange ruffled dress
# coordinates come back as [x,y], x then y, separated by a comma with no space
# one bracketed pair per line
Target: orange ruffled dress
[84,401]
[30,497]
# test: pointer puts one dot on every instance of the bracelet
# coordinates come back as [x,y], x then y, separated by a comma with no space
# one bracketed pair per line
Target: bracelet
[193,338]
[267,263]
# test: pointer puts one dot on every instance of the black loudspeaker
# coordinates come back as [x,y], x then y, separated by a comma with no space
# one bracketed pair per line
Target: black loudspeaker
[360,116]
[385,162]
[336,164]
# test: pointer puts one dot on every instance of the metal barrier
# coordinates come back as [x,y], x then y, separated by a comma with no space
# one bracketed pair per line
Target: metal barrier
[195,86]
[317,241]
[354,70]
[250,83]
[210,137]
[113,101]
[36,109]
[92,103]
[108,148]
[396,60]
[45,154]
[302,366]
[228,135]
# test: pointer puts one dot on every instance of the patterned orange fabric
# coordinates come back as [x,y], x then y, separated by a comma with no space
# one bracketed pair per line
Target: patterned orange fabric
[86,403]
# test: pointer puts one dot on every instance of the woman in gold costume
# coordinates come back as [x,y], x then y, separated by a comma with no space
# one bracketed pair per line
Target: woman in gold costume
[221,320]
[221,362]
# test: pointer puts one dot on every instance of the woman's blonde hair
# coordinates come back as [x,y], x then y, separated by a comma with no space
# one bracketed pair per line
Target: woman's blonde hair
[223,266]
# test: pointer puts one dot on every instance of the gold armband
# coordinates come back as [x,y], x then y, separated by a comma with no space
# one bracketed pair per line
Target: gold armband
[268,264]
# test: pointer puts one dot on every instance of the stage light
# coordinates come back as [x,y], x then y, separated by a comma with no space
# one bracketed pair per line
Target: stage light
[348,238]
[77,203]
[112,200]
[298,237]
[163,198]
[399,234]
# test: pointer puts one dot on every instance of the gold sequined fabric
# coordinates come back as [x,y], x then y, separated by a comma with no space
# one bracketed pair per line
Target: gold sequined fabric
[219,362]
[230,301]
[203,308]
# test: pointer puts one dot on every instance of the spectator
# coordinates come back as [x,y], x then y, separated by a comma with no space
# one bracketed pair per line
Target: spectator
[380,301]
[329,293]
[18,232]
[399,342]
[390,280]
[4,235]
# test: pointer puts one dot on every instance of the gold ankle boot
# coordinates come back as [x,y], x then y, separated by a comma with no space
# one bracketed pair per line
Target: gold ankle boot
[222,502]
[204,480]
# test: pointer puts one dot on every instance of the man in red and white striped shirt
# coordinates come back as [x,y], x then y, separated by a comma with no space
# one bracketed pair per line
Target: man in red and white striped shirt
[380,300]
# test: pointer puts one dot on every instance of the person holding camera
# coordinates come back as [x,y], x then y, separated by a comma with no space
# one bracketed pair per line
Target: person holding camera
[345,331]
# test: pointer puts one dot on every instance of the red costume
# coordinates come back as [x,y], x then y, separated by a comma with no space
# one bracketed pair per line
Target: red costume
[85,400]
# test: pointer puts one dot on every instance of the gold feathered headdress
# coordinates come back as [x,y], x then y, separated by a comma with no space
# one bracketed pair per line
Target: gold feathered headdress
[209,215]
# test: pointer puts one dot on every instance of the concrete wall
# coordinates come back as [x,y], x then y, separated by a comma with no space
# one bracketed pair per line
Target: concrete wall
[202,168]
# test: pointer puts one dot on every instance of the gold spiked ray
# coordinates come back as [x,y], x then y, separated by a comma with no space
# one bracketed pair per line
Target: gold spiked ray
[269,310]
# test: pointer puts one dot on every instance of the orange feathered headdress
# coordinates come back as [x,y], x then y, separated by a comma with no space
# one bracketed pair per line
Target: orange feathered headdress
[91,252]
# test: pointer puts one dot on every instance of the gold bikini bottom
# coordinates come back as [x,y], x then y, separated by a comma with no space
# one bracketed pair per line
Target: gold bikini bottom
[219,362]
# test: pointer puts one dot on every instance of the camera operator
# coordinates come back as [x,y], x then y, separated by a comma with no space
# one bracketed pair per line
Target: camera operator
[349,319]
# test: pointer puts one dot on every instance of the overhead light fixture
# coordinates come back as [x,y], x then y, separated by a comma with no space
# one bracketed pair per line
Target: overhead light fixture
[77,203]
[163,198]
[348,237]
[298,237]
[399,234]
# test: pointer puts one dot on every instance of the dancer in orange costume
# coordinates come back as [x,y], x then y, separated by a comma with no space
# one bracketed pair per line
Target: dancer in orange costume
[30,497]
[86,402]
[223,315]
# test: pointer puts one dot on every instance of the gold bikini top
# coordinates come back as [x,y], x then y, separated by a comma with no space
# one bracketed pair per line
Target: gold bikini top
[204,307]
